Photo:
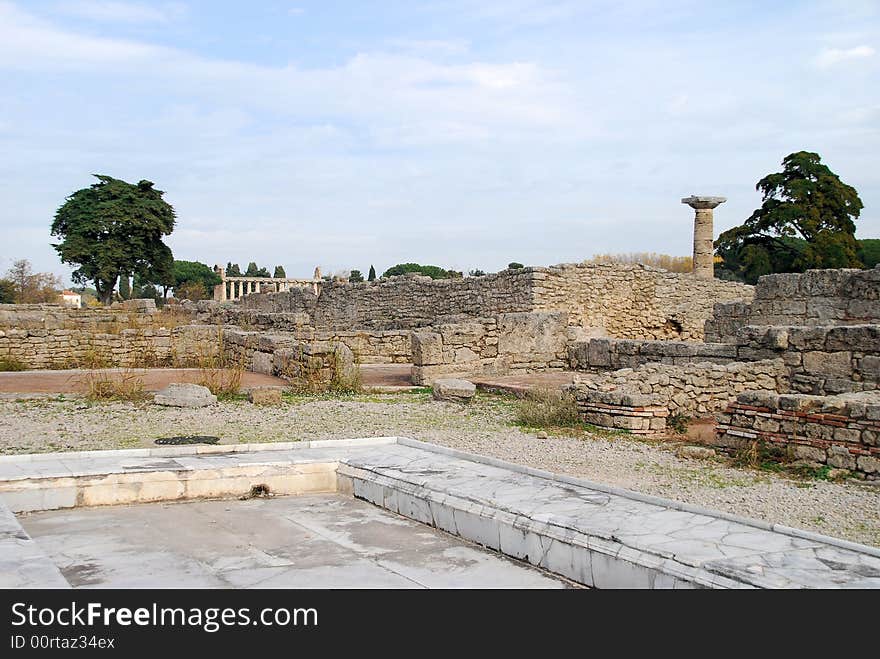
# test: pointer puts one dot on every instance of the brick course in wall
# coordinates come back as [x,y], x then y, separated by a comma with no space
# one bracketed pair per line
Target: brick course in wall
[840,431]
[640,400]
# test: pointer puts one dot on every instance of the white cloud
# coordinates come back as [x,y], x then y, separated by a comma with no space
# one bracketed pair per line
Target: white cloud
[296,11]
[388,94]
[831,56]
[113,11]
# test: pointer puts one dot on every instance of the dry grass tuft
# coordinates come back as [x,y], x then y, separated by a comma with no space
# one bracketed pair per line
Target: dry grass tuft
[122,385]
[542,408]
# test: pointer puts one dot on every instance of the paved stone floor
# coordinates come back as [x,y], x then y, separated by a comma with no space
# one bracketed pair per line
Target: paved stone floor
[326,540]
[75,380]
[521,383]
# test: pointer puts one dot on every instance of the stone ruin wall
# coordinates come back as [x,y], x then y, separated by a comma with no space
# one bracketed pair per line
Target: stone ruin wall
[641,400]
[623,301]
[502,344]
[839,431]
[813,298]
[633,301]
[53,336]
[403,302]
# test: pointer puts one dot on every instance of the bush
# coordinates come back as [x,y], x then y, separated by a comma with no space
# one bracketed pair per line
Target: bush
[513,265]
[547,408]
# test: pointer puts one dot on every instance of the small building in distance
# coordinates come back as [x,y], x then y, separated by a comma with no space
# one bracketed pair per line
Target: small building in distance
[71,299]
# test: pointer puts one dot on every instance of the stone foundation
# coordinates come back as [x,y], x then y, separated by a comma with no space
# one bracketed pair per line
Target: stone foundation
[840,431]
[637,399]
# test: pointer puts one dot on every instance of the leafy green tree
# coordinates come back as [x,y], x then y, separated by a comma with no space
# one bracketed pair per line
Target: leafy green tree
[514,265]
[279,273]
[869,252]
[262,272]
[355,276]
[806,220]
[114,227]
[124,286]
[191,290]
[252,270]
[477,273]
[7,291]
[232,270]
[432,271]
[194,271]
[372,274]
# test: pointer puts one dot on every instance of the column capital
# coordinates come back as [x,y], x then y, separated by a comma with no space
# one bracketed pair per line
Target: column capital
[700,202]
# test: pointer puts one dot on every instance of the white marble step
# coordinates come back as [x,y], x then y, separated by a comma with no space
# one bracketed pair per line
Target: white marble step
[595,536]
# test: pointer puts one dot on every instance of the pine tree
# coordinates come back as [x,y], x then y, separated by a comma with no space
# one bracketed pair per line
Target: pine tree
[372,274]
[279,272]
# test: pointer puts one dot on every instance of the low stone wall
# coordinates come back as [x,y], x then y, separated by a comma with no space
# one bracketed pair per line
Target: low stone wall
[73,348]
[605,354]
[107,320]
[840,431]
[513,342]
[640,400]
[307,364]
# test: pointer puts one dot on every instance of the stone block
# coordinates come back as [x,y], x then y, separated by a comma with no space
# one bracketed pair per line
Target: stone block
[451,389]
[427,348]
[265,395]
[262,362]
[185,395]
[599,353]
[869,464]
[854,338]
[832,364]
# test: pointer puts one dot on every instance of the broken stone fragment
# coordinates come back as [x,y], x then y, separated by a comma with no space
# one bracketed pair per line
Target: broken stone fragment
[185,395]
[451,389]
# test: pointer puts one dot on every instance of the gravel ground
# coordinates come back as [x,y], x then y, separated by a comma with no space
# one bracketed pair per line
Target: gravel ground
[846,510]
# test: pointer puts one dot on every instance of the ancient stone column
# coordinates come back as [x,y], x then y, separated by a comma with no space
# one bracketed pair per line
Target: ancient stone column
[704,252]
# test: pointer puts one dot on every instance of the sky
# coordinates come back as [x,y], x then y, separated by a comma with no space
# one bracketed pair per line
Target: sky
[456,133]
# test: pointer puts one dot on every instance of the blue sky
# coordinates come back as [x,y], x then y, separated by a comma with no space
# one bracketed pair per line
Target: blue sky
[462,134]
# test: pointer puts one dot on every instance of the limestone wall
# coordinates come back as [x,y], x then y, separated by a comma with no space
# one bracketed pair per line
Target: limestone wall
[400,302]
[76,348]
[840,431]
[816,297]
[605,354]
[307,365]
[624,301]
[633,301]
[513,342]
[697,389]
[822,360]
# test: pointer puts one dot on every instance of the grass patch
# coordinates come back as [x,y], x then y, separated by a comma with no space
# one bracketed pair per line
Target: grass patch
[766,456]
[542,408]
[115,386]
[12,364]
